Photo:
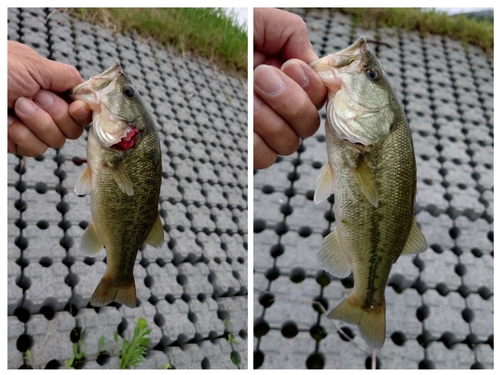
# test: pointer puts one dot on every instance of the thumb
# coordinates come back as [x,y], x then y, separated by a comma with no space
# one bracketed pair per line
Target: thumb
[308,79]
[58,77]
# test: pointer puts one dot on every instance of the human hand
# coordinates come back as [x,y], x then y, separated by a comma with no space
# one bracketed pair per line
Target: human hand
[286,100]
[43,119]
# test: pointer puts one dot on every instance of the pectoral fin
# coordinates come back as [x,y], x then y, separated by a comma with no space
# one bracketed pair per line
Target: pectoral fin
[91,244]
[155,236]
[324,183]
[122,179]
[84,182]
[331,255]
[416,242]
[366,182]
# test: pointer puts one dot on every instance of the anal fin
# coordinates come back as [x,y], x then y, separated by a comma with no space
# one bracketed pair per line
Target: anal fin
[91,244]
[416,242]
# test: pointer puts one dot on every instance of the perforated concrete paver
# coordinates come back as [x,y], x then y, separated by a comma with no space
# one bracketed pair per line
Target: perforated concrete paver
[439,303]
[192,291]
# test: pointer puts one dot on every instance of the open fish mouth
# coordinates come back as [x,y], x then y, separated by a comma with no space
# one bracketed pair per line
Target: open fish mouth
[128,141]
[359,110]
[111,130]
[88,91]
[342,58]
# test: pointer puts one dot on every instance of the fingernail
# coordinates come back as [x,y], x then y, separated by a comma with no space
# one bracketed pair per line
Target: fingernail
[266,78]
[25,106]
[11,120]
[43,98]
[297,73]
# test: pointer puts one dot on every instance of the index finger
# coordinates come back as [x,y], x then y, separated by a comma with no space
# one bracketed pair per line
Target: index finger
[57,108]
[277,31]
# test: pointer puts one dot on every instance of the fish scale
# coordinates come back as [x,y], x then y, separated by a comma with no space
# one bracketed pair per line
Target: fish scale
[135,213]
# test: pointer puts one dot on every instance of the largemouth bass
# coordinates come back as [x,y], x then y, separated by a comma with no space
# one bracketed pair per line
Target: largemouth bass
[123,175]
[372,172]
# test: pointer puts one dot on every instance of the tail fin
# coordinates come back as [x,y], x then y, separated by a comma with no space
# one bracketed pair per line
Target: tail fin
[107,292]
[371,321]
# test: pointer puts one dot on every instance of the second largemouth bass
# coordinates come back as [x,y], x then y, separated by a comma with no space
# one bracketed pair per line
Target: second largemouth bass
[372,172]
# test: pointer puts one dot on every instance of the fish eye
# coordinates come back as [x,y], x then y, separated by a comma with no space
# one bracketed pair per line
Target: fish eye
[373,74]
[128,91]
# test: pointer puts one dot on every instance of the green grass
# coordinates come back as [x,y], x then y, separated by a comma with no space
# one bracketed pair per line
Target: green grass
[206,32]
[468,31]
[132,352]
[231,340]
[78,355]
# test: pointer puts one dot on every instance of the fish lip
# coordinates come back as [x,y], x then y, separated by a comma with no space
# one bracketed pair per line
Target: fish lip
[84,87]
[111,69]
[327,66]
[360,44]
[358,48]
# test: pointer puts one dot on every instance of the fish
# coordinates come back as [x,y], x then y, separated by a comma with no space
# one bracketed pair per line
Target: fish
[371,171]
[123,177]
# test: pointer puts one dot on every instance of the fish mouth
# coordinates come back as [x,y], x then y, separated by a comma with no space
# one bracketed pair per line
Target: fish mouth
[342,58]
[86,91]
[111,130]
[331,67]
[360,46]
[128,141]
[111,69]
[349,114]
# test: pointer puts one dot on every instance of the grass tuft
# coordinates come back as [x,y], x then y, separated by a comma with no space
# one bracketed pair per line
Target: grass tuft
[208,32]
[132,352]
[473,31]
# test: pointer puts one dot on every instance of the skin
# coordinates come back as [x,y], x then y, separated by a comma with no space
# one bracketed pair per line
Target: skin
[42,119]
[287,92]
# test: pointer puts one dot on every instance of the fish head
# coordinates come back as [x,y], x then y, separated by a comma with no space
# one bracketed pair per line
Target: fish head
[361,104]
[116,108]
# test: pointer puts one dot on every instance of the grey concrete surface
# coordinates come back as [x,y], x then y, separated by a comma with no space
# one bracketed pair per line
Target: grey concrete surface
[439,303]
[192,291]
